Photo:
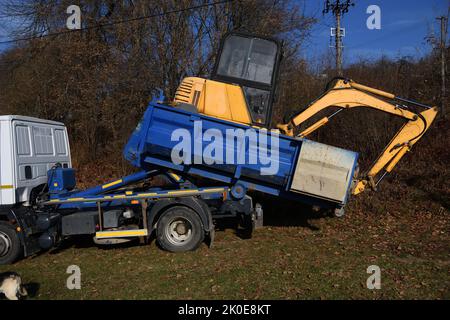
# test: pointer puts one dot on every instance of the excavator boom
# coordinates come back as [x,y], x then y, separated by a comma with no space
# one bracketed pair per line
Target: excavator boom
[347,94]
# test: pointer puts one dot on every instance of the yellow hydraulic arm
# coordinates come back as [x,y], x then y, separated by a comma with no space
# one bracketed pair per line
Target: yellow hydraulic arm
[348,94]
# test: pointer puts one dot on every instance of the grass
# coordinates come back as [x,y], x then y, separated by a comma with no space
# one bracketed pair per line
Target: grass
[325,259]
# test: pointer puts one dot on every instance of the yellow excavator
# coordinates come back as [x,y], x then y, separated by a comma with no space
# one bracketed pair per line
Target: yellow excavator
[242,89]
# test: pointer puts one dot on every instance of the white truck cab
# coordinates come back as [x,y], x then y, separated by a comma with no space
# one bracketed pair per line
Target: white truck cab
[29,147]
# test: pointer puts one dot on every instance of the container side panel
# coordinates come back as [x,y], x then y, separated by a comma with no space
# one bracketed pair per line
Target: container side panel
[324,171]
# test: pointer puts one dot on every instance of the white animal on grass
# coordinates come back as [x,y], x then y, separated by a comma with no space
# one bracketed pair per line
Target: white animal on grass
[11,286]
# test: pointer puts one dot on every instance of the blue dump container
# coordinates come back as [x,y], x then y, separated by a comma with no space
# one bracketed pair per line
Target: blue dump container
[232,153]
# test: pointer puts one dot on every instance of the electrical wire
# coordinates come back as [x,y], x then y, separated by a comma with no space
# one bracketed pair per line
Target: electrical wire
[118,22]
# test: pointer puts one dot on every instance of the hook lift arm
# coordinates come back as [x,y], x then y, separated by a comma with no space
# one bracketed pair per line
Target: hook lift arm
[347,94]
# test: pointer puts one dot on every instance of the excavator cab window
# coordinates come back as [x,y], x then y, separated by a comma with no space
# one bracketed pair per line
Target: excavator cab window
[251,62]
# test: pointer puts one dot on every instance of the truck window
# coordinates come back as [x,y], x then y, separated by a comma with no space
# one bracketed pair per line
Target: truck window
[60,142]
[23,141]
[43,141]
[251,63]
[258,103]
[248,59]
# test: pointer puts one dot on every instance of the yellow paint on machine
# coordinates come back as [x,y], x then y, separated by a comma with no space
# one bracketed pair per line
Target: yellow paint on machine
[6,186]
[111,184]
[147,194]
[75,199]
[175,176]
[68,200]
[216,190]
[153,194]
[196,191]
[182,191]
[121,233]
[213,98]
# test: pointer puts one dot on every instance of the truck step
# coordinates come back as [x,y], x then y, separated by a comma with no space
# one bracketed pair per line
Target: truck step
[122,233]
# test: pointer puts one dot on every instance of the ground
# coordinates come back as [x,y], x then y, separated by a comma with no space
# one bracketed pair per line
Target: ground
[403,228]
[326,258]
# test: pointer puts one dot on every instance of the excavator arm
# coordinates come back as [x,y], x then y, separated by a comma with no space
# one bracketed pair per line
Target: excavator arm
[346,94]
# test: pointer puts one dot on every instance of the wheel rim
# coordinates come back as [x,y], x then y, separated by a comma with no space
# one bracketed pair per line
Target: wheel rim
[179,231]
[5,244]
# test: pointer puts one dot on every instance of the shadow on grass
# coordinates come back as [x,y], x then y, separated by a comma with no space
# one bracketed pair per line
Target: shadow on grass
[284,213]
[32,289]
[277,213]
[435,194]
[85,241]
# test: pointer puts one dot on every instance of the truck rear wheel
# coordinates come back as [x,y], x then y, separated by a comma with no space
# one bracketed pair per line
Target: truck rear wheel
[10,247]
[179,229]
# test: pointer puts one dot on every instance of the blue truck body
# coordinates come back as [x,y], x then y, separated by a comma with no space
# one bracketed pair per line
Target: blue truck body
[151,145]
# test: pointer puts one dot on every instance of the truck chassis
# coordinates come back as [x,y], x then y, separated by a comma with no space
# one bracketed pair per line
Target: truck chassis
[179,217]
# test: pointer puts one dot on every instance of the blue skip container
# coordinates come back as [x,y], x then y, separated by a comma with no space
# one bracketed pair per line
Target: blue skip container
[231,153]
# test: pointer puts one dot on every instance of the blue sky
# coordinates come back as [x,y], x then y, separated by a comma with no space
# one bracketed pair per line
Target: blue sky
[404,25]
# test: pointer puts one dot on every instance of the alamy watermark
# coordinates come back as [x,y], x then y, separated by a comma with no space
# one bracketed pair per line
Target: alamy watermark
[374,20]
[74,280]
[234,146]
[374,280]
[73,22]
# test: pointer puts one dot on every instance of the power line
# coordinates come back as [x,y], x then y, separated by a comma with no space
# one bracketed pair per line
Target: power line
[338,8]
[118,22]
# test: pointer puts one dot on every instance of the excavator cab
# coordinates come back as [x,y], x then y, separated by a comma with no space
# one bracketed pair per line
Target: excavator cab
[243,82]
[252,63]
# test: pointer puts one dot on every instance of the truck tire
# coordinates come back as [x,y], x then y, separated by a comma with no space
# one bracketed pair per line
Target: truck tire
[179,229]
[10,246]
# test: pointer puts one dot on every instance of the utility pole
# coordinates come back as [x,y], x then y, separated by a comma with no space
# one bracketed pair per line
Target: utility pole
[338,44]
[442,46]
[338,8]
